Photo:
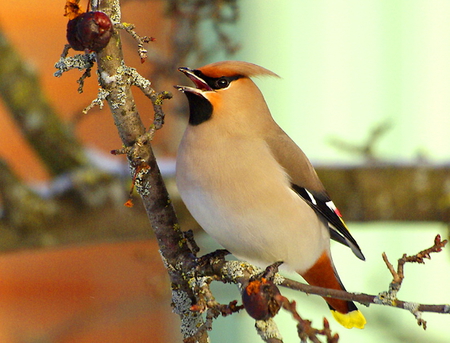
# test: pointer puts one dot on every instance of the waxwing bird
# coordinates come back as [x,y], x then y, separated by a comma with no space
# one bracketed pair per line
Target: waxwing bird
[251,187]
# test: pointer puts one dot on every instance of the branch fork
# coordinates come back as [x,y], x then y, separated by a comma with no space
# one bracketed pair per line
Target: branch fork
[80,61]
[141,40]
[390,297]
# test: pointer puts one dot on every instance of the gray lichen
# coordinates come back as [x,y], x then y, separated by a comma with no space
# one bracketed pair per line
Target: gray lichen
[190,321]
[267,329]
[385,298]
[79,61]
[235,269]
[98,101]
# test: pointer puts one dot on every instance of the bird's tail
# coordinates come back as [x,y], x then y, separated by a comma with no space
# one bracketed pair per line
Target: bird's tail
[323,274]
[352,319]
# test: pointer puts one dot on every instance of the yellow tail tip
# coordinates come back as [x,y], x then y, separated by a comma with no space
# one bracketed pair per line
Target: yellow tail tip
[353,319]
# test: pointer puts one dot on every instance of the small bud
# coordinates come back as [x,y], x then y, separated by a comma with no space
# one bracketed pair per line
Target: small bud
[129,203]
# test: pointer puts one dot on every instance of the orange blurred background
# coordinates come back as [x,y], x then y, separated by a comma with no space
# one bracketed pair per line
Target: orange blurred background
[37,29]
[104,293]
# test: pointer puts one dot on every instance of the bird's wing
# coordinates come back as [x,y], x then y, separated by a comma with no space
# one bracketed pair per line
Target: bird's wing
[307,185]
[326,208]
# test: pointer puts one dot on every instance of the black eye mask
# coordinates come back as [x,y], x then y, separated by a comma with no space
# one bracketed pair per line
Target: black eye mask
[217,83]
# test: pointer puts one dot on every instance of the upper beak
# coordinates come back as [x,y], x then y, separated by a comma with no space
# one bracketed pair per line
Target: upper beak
[199,82]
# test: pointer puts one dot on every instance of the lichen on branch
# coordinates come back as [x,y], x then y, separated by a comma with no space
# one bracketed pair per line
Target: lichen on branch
[115,80]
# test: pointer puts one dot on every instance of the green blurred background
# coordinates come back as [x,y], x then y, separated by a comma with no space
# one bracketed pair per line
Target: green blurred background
[349,65]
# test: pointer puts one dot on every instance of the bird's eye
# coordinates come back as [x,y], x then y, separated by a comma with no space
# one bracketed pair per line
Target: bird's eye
[222,83]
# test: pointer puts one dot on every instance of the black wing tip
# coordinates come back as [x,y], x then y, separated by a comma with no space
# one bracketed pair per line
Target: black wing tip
[355,248]
[338,230]
[360,255]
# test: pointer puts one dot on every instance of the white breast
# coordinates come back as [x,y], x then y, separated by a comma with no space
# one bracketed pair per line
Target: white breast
[241,196]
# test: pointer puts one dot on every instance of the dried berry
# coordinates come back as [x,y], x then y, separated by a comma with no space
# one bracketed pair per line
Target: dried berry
[259,299]
[90,30]
[72,34]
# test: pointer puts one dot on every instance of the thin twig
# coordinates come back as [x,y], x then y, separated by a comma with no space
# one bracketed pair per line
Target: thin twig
[389,265]
[207,302]
[241,273]
[390,297]
[304,328]
[141,40]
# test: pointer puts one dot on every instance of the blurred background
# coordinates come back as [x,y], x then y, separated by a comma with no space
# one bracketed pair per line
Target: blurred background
[364,90]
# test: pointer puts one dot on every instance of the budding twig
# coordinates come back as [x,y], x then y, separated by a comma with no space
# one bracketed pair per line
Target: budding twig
[304,328]
[141,40]
[390,297]
[207,302]
[242,273]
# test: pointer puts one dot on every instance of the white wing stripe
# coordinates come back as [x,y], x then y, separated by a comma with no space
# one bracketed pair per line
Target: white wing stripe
[313,200]
[331,205]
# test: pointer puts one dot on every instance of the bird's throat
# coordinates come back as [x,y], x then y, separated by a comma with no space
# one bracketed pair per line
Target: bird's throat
[200,109]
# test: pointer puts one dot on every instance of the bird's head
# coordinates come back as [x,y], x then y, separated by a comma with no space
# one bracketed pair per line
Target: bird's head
[222,86]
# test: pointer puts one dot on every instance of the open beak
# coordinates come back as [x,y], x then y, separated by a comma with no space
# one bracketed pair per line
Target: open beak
[200,84]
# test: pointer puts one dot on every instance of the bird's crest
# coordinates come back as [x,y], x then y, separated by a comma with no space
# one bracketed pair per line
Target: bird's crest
[234,68]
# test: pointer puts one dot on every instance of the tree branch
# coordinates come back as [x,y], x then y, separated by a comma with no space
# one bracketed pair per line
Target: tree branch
[387,191]
[40,124]
[387,298]
[116,80]
[242,273]
[24,211]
